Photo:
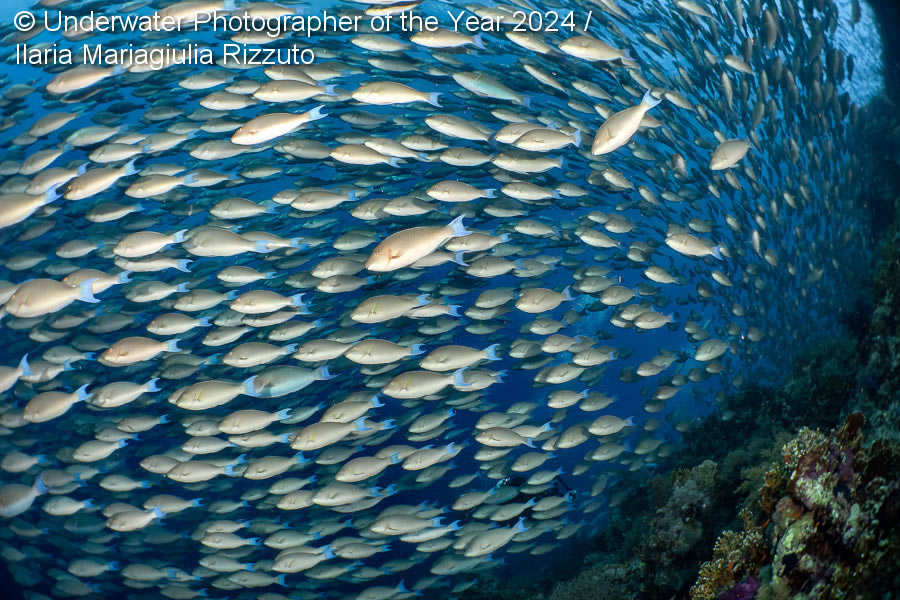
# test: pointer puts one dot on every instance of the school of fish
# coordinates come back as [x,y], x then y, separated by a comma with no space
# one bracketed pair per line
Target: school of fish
[350,329]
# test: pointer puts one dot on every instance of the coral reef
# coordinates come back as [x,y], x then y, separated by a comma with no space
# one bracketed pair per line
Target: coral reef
[833,532]
[679,526]
[604,582]
[820,519]
[880,375]
[736,554]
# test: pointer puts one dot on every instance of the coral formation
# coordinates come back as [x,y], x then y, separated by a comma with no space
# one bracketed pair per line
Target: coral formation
[833,532]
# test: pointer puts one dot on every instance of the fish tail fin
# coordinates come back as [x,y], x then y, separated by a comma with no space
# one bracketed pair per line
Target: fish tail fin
[248,385]
[25,367]
[51,194]
[39,486]
[459,377]
[183,265]
[360,424]
[317,113]
[124,276]
[567,292]
[283,414]
[630,421]
[297,299]
[457,227]
[130,169]
[649,100]
[85,290]
[717,251]
[82,393]
[458,258]
[181,287]
[322,373]
[376,401]
[576,139]
[172,345]
[433,99]
[491,352]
